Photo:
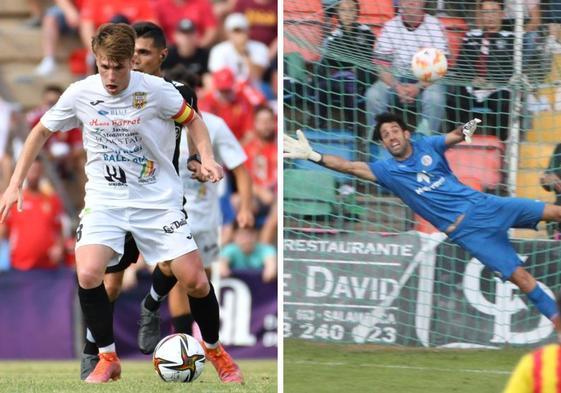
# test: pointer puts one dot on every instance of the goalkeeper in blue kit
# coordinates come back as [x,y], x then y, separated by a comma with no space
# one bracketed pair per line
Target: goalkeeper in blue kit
[419,174]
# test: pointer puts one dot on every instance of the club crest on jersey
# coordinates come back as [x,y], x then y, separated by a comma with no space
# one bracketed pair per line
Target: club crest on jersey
[426,160]
[139,99]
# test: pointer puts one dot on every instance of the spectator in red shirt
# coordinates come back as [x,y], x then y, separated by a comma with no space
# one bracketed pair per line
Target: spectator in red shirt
[261,163]
[65,149]
[229,102]
[72,141]
[35,232]
[94,13]
[200,12]
[261,151]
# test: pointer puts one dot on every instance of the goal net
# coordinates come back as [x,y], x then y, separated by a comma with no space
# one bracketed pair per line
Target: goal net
[359,265]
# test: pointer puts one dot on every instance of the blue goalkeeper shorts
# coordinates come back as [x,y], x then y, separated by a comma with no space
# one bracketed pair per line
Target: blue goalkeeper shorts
[484,230]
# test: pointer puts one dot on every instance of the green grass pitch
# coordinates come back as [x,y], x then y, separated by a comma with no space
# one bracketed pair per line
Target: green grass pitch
[137,377]
[313,367]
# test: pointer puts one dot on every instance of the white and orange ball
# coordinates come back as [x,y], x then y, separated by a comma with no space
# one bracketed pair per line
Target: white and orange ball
[179,358]
[429,64]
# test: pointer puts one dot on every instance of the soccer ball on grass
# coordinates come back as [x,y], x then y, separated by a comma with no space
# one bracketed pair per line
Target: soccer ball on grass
[179,358]
[429,64]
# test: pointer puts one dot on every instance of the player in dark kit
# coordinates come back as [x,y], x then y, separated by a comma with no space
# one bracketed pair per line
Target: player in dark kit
[419,174]
[150,52]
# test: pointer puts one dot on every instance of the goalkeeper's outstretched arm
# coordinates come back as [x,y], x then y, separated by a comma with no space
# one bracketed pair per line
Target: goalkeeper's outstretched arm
[300,149]
[462,133]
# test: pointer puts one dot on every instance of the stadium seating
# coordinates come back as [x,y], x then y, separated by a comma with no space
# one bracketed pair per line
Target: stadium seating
[535,155]
[482,160]
[304,38]
[294,78]
[545,128]
[337,142]
[309,193]
[528,186]
[376,13]
[308,10]
[455,28]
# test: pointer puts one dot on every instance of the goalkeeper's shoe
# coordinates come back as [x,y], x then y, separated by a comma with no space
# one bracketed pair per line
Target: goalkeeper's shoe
[108,368]
[228,371]
[87,364]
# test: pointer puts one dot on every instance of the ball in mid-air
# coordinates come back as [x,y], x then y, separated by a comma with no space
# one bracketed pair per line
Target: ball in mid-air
[429,64]
[179,358]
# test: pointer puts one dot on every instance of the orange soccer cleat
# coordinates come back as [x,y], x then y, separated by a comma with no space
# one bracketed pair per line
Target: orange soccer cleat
[108,368]
[228,371]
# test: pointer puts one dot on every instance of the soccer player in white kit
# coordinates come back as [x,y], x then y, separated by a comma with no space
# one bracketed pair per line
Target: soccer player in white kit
[129,137]
[150,51]
[203,207]
[201,204]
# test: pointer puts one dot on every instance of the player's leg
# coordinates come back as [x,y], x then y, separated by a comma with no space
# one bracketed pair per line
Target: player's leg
[377,100]
[165,235]
[89,358]
[433,100]
[488,225]
[526,213]
[529,285]
[91,261]
[179,308]
[99,243]
[192,278]
[113,281]
[499,255]
[180,311]
[163,281]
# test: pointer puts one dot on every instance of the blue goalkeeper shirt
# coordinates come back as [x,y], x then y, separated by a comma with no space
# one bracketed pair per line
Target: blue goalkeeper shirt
[425,182]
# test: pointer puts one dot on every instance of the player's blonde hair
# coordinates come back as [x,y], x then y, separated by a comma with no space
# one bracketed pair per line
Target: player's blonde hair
[115,41]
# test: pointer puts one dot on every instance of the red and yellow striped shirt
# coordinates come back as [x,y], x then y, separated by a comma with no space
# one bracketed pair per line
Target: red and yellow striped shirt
[537,372]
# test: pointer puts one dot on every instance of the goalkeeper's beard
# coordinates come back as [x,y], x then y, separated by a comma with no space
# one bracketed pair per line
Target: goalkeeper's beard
[399,152]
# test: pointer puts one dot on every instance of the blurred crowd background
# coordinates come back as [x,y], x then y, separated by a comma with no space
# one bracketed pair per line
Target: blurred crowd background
[229,48]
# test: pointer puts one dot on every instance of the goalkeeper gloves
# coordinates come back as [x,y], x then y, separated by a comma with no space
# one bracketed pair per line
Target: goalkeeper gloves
[469,128]
[300,148]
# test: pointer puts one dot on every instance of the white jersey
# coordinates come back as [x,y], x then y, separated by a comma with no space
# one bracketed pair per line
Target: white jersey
[129,139]
[225,55]
[202,199]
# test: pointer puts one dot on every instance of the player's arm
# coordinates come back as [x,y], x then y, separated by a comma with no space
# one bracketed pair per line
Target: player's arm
[201,140]
[243,185]
[301,149]
[33,144]
[194,160]
[198,133]
[462,133]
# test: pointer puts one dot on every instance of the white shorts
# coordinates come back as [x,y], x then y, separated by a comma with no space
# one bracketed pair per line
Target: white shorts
[161,235]
[207,242]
